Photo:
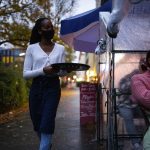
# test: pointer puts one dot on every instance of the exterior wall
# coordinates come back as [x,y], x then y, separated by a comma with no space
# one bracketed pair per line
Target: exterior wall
[90,60]
[81,75]
[91,73]
[8,56]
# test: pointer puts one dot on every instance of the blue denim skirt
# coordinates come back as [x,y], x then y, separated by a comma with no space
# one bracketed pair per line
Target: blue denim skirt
[44,98]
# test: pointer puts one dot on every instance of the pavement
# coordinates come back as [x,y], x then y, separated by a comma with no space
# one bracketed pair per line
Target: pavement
[18,134]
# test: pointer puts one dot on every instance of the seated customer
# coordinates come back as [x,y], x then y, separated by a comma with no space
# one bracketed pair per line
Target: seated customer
[126,107]
[140,86]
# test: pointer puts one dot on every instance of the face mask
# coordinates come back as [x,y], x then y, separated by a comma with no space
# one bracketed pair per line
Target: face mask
[48,34]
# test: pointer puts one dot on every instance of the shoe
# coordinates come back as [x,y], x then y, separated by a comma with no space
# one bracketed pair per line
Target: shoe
[137,146]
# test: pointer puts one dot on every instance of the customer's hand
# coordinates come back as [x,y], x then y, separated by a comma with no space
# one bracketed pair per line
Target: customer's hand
[50,70]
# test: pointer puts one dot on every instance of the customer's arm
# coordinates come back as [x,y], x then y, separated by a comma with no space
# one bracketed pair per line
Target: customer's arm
[140,91]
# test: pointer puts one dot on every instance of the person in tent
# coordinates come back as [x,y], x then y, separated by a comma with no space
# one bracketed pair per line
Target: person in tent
[125,106]
[140,86]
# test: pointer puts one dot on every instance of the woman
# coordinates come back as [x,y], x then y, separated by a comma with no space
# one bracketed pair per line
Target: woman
[45,89]
[140,86]
[125,106]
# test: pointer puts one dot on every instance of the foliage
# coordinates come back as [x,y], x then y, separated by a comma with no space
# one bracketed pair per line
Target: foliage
[69,51]
[13,91]
[17,17]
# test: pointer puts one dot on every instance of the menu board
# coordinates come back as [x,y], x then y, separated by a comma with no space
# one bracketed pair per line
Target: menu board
[87,103]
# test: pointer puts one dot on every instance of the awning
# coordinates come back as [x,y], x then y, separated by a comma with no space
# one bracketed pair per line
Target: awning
[82,31]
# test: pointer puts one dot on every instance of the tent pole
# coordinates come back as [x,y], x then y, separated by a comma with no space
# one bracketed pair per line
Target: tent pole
[98,103]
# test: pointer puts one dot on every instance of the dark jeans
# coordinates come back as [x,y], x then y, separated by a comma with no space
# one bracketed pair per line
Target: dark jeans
[43,102]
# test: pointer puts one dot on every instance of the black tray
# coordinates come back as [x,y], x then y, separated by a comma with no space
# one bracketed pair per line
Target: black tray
[71,66]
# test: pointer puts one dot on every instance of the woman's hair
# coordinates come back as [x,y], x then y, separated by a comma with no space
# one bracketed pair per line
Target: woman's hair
[148,58]
[35,36]
[143,64]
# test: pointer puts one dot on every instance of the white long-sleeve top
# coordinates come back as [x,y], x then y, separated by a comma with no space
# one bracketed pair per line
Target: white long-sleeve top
[36,59]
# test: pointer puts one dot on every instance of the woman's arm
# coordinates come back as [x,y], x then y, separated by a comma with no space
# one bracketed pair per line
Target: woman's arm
[28,63]
[140,91]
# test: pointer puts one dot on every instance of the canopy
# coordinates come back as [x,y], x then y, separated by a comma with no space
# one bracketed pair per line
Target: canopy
[82,31]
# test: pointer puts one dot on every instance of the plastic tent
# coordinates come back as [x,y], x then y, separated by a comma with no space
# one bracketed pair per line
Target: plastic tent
[134,33]
[125,51]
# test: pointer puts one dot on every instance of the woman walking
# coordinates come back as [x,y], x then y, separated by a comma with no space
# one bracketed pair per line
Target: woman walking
[45,89]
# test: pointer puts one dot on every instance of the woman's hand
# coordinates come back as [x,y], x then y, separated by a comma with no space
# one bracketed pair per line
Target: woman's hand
[49,70]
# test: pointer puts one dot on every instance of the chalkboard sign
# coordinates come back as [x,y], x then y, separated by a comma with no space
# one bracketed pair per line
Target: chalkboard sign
[87,103]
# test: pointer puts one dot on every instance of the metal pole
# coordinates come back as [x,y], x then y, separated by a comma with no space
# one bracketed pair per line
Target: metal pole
[98,113]
[98,104]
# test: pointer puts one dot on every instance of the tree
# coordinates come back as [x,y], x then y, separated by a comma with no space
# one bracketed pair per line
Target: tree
[69,53]
[17,17]
[59,8]
[13,88]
